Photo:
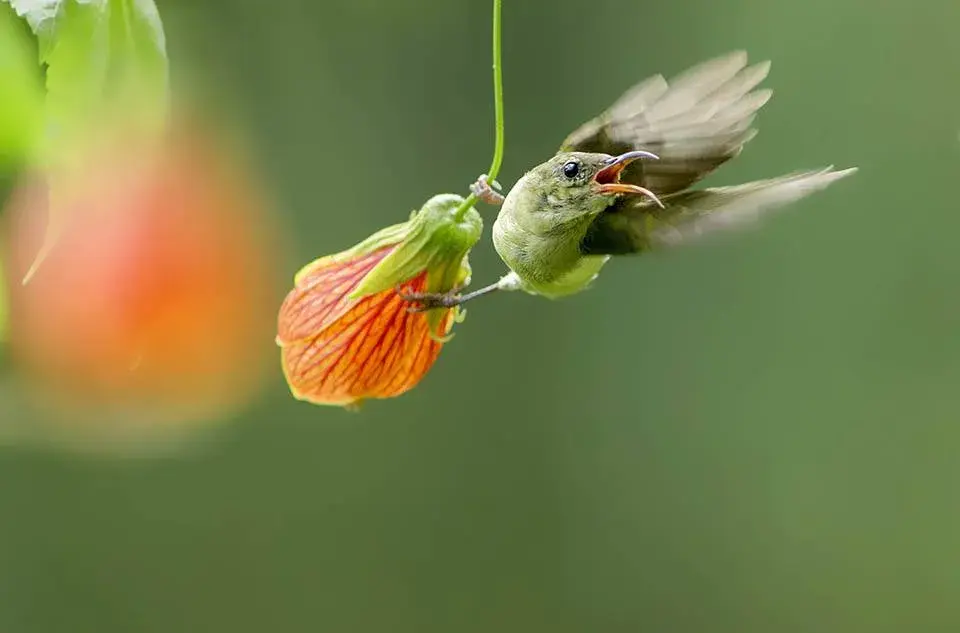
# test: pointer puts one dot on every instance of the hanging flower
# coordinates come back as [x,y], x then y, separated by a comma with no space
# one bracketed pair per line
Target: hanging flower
[345,333]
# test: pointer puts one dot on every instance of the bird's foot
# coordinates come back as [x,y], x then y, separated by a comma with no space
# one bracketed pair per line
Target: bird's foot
[425,301]
[485,192]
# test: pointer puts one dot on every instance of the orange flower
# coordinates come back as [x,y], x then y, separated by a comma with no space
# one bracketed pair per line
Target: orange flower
[344,332]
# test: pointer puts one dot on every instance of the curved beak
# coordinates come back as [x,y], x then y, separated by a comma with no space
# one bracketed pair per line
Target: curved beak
[609,177]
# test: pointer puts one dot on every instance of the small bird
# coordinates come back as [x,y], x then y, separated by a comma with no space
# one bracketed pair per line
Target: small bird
[620,184]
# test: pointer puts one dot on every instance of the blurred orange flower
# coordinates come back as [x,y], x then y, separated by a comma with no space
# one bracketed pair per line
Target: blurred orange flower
[344,332]
[160,279]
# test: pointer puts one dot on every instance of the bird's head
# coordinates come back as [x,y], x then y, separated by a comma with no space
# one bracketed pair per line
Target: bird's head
[574,185]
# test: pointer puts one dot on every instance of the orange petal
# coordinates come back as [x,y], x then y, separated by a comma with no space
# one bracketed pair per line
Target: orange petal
[320,295]
[374,349]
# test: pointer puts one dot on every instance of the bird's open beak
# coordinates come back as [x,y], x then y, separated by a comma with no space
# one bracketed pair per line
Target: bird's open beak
[609,177]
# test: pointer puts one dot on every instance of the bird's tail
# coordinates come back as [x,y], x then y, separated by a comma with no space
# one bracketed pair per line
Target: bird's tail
[691,215]
[697,213]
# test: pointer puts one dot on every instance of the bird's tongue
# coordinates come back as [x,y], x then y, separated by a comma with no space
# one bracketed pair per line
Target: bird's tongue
[609,177]
[611,174]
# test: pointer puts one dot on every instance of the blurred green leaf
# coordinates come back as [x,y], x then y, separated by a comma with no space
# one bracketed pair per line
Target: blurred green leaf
[106,64]
[42,15]
[103,57]
[21,108]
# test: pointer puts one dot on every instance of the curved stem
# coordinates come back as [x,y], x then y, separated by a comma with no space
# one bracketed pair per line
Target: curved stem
[498,111]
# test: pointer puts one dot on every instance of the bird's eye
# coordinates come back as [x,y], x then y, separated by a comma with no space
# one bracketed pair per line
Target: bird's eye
[571,169]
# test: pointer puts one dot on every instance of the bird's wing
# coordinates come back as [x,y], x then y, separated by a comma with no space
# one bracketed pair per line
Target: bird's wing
[633,225]
[694,123]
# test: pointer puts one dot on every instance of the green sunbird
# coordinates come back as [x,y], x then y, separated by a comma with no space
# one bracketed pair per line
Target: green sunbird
[620,184]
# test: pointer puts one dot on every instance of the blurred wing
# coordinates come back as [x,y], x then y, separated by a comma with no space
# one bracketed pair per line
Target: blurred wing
[695,123]
[634,226]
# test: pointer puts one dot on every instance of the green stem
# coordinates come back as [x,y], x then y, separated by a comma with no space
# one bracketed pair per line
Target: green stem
[498,112]
[497,94]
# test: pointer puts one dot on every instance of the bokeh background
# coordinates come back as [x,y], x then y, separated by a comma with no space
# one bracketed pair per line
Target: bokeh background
[756,436]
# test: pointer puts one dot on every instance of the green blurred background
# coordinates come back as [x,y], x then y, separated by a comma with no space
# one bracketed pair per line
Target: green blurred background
[758,435]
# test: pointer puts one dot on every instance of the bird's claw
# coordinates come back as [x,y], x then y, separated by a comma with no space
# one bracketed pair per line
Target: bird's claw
[429,300]
[483,190]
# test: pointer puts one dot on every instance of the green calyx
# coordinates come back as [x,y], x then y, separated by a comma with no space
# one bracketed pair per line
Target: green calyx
[433,240]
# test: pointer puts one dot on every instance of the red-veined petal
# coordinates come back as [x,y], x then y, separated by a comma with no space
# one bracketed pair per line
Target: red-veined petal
[320,295]
[372,348]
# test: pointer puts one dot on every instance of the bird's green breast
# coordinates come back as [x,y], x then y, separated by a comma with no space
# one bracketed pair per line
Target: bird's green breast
[576,279]
[549,263]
